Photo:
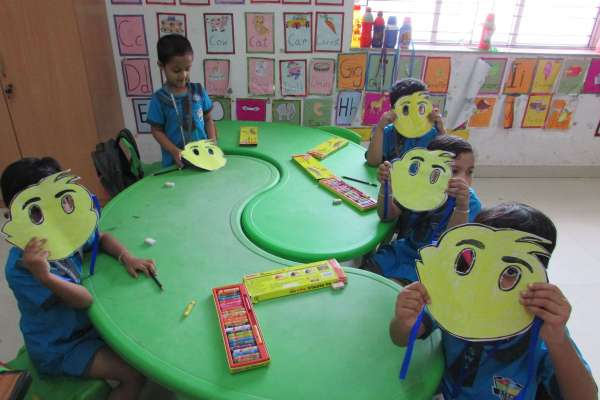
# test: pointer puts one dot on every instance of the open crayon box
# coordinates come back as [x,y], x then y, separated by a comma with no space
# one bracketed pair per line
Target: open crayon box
[242,337]
[349,194]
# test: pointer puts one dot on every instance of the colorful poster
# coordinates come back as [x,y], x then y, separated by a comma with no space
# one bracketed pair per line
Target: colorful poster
[380,75]
[251,109]
[265,1]
[131,35]
[317,112]
[194,2]
[329,31]
[221,110]
[411,66]
[229,1]
[536,111]
[136,77]
[260,33]
[352,69]
[125,1]
[321,76]
[592,80]
[287,111]
[296,1]
[297,28]
[508,110]
[261,76]
[571,79]
[348,104]
[545,76]
[484,109]
[493,79]
[171,23]
[437,74]
[216,77]
[292,77]
[163,2]
[374,106]
[140,111]
[329,2]
[438,102]
[561,114]
[219,33]
[520,76]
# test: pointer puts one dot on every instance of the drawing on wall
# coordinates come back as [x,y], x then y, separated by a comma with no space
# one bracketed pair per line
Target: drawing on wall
[592,80]
[545,76]
[317,111]
[321,76]
[292,77]
[287,111]
[171,23]
[437,74]
[221,110]
[261,76]
[561,113]
[484,109]
[131,35]
[411,67]
[520,76]
[297,28]
[573,74]
[140,112]
[348,104]
[351,71]
[194,2]
[380,74]
[493,79]
[329,31]
[216,77]
[219,33]
[536,111]
[251,109]
[260,33]
[136,77]
[375,105]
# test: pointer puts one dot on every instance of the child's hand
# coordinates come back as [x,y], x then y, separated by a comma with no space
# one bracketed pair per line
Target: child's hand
[35,258]
[409,304]
[386,119]
[459,189]
[436,118]
[133,265]
[383,172]
[177,157]
[546,301]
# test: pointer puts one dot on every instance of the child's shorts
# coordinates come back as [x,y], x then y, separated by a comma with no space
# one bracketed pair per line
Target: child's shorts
[397,260]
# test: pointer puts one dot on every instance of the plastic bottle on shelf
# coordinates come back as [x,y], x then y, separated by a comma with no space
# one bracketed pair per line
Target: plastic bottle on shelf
[405,33]
[378,29]
[355,27]
[366,29]
[486,34]
[391,33]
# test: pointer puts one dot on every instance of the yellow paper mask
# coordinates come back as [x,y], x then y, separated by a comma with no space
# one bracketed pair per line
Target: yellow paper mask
[56,209]
[412,115]
[474,276]
[420,178]
[204,154]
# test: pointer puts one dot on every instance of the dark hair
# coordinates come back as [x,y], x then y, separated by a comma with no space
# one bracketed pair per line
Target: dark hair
[170,46]
[26,172]
[406,87]
[450,143]
[521,217]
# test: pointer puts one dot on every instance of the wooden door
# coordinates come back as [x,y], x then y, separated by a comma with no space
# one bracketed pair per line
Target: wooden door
[50,108]
[9,148]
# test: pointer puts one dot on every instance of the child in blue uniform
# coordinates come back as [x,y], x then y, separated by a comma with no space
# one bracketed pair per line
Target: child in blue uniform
[179,112]
[58,334]
[386,143]
[397,259]
[499,370]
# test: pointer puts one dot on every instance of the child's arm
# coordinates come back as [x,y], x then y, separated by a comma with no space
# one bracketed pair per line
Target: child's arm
[375,150]
[547,302]
[436,119]
[165,143]
[409,304]
[459,189]
[209,124]
[132,264]
[35,259]
[393,212]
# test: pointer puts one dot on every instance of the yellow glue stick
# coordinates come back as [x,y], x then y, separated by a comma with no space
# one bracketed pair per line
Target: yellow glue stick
[188,308]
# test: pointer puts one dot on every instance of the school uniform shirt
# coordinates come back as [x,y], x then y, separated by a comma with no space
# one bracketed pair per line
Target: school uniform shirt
[397,259]
[163,114]
[395,145]
[495,370]
[60,340]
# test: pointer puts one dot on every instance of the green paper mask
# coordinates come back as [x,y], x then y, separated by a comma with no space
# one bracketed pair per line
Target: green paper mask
[204,154]
[56,209]
[474,276]
[420,178]
[412,115]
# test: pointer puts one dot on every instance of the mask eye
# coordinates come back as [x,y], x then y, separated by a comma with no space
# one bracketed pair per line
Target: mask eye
[435,175]
[405,110]
[36,215]
[509,278]
[464,262]
[67,203]
[413,168]
[211,151]
[196,152]
[421,108]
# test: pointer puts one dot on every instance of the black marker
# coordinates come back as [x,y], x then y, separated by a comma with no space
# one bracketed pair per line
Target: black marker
[359,181]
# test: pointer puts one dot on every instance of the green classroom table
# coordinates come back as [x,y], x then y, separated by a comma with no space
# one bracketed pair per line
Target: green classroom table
[210,230]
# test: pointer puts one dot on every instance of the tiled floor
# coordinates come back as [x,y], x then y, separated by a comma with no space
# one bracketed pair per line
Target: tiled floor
[574,206]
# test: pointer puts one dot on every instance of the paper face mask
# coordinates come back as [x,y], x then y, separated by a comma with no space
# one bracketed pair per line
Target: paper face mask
[204,154]
[474,276]
[412,115]
[56,209]
[420,178]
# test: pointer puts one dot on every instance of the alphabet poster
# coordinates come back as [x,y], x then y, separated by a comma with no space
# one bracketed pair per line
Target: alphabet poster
[140,110]
[171,23]
[545,75]
[561,114]
[261,76]
[536,111]
[321,76]
[131,35]
[287,111]
[592,81]
[260,33]
[484,109]
[218,33]
[292,76]
[520,76]
[221,110]
[251,109]
[348,104]
[380,74]
[493,79]
[375,105]
[136,77]
[216,77]
[411,66]
[297,32]
[329,31]
[352,69]
[317,112]
[571,79]
[437,74]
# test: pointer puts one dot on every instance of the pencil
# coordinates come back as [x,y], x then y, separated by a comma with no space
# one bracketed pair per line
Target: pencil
[359,181]
[153,276]
[166,171]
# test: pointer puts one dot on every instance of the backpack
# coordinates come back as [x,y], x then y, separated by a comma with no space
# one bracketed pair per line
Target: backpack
[117,162]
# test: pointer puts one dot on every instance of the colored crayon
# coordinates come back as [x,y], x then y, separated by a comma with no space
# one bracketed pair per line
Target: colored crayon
[237,328]
[246,358]
[228,291]
[247,350]
[242,346]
